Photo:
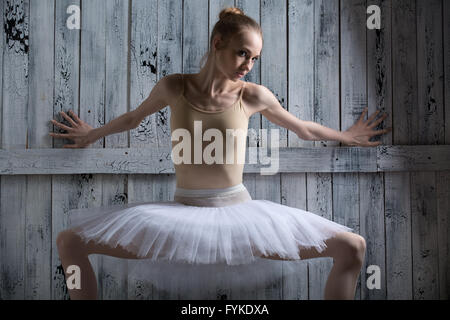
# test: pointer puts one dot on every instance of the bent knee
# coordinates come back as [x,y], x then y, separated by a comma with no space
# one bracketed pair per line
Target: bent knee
[353,250]
[68,240]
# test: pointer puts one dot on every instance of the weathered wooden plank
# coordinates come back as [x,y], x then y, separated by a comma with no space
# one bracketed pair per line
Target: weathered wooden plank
[195,34]
[92,88]
[158,160]
[424,236]
[446,39]
[326,112]
[2,48]
[144,51]
[372,228]
[38,204]
[274,62]
[443,180]
[299,103]
[379,92]
[67,61]
[398,236]
[113,271]
[430,131]
[353,75]
[443,212]
[14,136]
[404,106]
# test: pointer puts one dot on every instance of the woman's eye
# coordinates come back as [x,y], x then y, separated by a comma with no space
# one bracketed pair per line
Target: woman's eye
[240,52]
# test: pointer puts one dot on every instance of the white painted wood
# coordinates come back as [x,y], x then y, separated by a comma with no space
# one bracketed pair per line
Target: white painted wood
[300,101]
[157,160]
[14,136]
[144,51]
[38,229]
[65,191]
[92,91]
[113,271]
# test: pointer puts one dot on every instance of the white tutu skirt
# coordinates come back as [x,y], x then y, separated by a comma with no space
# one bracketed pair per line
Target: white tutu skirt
[206,239]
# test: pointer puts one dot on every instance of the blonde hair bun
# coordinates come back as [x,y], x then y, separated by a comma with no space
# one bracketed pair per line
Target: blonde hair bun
[230,11]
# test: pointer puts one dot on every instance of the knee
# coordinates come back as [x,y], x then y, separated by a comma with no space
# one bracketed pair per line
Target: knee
[68,241]
[355,250]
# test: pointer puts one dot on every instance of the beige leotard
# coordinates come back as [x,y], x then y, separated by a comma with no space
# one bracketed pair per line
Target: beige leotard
[204,173]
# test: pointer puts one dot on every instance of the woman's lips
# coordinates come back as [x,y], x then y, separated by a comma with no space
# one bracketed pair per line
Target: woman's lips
[240,74]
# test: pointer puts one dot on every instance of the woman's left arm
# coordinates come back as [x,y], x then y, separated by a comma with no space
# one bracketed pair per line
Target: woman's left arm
[357,135]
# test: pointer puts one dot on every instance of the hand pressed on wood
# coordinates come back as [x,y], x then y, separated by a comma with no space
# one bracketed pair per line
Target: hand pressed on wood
[360,133]
[79,132]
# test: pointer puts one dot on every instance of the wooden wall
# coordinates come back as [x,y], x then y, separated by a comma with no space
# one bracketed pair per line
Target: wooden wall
[327,68]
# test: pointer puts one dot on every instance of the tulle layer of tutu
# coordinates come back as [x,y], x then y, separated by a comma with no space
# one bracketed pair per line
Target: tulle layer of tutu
[186,248]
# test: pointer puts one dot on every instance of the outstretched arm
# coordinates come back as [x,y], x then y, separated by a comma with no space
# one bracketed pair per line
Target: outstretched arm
[83,134]
[357,135]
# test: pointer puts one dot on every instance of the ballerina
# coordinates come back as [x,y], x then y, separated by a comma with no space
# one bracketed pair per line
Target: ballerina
[213,233]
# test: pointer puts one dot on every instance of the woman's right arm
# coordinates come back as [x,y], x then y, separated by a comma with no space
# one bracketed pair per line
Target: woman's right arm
[83,134]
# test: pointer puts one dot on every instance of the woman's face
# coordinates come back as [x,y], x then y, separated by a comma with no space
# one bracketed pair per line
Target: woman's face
[238,58]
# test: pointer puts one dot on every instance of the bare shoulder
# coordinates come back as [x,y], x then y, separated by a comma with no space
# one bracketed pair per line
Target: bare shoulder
[255,98]
[173,86]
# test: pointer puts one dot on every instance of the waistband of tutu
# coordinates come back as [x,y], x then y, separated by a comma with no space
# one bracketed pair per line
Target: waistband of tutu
[209,192]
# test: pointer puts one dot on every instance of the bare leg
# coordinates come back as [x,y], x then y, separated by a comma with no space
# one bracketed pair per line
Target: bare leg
[73,251]
[347,250]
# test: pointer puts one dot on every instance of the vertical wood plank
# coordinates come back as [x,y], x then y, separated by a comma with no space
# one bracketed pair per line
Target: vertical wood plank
[66,95]
[443,211]
[113,271]
[38,195]
[2,48]
[195,34]
[300,104]
[143,64]
[325,111]
[443,208]
[92,89]
[372,227]
[274,61]
[379,93]
[404,106]
[14,136]
[398,236]
[353,84]
[446,39]
[430,131]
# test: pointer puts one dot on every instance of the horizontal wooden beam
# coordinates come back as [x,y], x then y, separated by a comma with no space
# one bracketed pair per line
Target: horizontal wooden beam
[158,160]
